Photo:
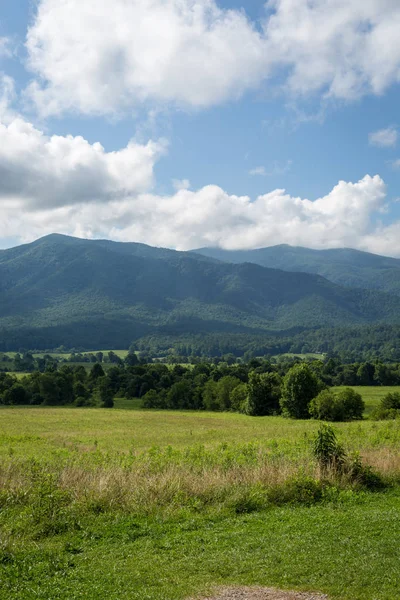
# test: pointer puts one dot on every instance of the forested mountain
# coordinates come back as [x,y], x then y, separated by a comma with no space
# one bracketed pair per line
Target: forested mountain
[351,268]
[63,290]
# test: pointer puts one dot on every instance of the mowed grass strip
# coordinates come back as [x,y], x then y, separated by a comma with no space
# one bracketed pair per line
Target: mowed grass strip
[349,551]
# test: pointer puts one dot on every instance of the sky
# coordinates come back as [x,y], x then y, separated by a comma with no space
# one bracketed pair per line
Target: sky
[192,123]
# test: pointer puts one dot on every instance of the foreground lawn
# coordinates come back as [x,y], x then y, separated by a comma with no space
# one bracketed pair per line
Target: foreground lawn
[163,505]
[349,550]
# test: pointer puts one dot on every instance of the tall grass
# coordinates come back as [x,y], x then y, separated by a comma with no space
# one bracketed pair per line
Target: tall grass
[233,477]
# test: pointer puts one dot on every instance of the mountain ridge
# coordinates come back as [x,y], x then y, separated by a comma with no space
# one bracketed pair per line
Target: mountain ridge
[64,290]
[344,266]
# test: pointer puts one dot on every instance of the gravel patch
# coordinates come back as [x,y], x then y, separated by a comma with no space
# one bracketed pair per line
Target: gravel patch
[259,593]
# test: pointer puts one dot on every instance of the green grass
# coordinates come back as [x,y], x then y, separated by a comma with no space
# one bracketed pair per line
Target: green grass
[348,550]
[164,505]
[118,430]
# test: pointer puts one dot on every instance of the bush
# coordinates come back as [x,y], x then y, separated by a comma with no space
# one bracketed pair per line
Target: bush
[389,407]
[342,406]
[327,450]
[391,400]
[352,404]
[331,455]
[325,407]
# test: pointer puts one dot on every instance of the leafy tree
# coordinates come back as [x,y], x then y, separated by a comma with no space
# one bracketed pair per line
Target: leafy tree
[264,392]
[96,372]
[15,395]
[224,389]
[300,386]
[353,405]
[324,407]
[131,359]
[239,397]
[105,392]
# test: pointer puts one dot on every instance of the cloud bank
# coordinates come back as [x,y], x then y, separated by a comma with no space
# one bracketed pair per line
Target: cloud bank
[67,185]
[101,57]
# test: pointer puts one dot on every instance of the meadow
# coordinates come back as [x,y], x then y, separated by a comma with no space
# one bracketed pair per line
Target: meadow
[128,503]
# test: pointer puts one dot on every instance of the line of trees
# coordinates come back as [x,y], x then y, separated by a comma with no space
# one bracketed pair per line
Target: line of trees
[295,390]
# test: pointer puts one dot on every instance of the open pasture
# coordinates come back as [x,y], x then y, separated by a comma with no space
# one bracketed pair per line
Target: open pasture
[130,504]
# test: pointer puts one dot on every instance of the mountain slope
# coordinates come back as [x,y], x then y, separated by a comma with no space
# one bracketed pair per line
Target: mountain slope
[351,268]
[62,290]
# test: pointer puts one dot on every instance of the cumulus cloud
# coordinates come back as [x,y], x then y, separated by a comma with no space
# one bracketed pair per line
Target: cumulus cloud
[98,56]
[385,138]
[67,185]
[345,48]
[37,171]
[102,57]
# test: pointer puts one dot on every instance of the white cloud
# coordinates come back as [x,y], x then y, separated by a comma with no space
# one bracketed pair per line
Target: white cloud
[67,185]
[345,48]
[258,171]
[37,171]
[5,47]
[276,168]
[104,57]
[7,97]
[385,138]
[98,56]
[181,184]
[396,163]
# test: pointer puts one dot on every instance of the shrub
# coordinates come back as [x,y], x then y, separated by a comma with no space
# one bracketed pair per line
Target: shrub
[391,400]
[352,404]
[327,450]
[324,407]
[342,406]
[389,407]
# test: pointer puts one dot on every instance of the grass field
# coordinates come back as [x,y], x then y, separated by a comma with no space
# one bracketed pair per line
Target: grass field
[164,505]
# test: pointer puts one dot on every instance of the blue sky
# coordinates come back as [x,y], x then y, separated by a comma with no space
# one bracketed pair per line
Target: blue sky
[238,103]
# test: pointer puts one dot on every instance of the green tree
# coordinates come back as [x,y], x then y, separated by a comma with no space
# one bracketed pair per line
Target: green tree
[264,392]
[105,392]
[224,389]
[300,386]
[239,397]
[324,407]
[352,404]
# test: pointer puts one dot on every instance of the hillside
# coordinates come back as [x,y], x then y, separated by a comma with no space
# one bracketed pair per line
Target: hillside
[62,290]
[344,266]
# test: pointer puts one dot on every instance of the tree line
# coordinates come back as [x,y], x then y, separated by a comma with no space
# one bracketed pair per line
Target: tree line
[296,389]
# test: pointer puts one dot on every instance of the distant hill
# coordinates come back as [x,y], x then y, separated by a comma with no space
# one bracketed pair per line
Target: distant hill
[63,290]
[351,268]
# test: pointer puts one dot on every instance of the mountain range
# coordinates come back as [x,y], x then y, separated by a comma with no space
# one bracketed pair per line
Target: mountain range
[97,293]
[344,266]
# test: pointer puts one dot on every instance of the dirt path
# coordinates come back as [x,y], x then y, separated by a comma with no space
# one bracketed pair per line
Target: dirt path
[258,593]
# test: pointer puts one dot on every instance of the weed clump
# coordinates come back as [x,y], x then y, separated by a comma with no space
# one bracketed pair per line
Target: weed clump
[333,460]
